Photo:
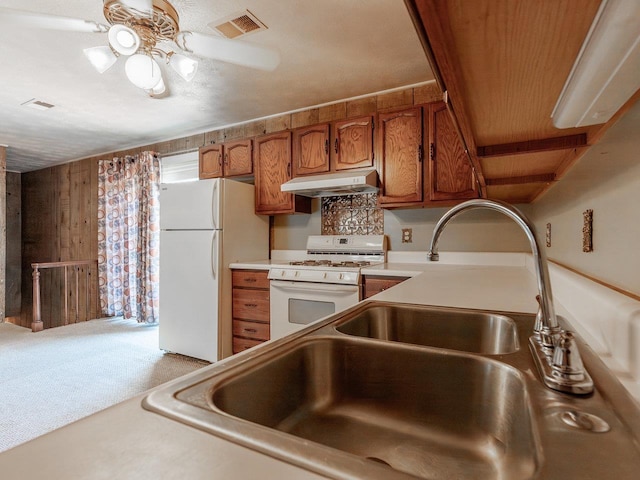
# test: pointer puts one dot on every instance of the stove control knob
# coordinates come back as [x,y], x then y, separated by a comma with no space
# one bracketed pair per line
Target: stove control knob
[324,275]
[296,274]
[341,276]
[283,273]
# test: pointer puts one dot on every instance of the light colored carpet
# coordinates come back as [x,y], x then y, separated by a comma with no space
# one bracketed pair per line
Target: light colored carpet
[51,378]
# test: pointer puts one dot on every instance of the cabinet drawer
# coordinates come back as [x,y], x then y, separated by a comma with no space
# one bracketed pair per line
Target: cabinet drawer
[250,278]
[254,330]
[251,304]
[374,285]
[241,344]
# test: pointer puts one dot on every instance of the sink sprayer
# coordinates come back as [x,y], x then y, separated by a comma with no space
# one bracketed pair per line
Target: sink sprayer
[554,350]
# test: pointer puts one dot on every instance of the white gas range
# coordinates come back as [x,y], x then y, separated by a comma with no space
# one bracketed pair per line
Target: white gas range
[326,281]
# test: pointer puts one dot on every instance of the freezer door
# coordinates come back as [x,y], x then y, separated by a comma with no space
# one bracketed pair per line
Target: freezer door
[190,205]
[189,293]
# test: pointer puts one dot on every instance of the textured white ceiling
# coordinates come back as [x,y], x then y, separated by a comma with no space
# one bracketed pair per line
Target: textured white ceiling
[330,49]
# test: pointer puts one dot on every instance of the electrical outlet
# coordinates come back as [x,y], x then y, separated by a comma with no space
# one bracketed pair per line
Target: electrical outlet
[407,235]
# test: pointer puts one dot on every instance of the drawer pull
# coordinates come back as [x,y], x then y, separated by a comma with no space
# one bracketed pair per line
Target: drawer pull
[250,280]
[250,330]
[252,305]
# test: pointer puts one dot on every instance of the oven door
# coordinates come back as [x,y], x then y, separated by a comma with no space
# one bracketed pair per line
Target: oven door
[294,305]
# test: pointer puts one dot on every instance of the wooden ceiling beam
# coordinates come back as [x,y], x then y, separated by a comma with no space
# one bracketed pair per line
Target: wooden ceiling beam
[531,146]
[542,178]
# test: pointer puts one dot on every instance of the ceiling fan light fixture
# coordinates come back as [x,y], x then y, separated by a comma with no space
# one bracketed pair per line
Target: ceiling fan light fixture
[102,58]
[123,39]
[184,66]
[143,71]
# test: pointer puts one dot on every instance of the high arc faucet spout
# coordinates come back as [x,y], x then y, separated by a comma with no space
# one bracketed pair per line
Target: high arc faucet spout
[550,326]
[554,351]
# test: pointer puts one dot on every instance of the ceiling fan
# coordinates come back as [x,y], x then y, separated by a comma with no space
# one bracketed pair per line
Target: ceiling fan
[146,30]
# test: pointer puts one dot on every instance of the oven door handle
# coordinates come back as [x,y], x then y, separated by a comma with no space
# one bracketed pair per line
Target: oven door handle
[302,286]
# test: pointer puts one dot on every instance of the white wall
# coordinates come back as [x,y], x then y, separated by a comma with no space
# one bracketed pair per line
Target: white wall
[607,180]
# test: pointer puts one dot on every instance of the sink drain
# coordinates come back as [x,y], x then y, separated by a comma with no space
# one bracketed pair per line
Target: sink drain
[584,421]
[379,460]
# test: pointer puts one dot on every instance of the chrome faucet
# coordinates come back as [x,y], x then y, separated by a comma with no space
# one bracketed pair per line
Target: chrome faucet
[554,350]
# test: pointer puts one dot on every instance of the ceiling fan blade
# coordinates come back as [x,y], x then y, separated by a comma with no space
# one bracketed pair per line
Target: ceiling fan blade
[140,5]
[230,51]
[10,17]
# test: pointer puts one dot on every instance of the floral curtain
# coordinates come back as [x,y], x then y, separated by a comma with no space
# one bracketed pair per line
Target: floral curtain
[128,236]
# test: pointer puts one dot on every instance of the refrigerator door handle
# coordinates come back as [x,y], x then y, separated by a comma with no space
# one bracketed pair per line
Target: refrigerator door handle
[214,252]
[215,207]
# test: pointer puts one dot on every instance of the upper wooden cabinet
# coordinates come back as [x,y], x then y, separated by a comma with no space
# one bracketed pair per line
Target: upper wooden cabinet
[399,158]
[407,180]
[450,173]
[311,150]
[353,143]
[230,159]
[238,159]
[210,161]
[272,157]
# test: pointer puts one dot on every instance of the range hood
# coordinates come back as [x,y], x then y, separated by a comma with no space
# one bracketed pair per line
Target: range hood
[341,183]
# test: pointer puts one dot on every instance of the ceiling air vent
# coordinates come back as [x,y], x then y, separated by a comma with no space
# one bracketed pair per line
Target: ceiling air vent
[238,24]
[37,104]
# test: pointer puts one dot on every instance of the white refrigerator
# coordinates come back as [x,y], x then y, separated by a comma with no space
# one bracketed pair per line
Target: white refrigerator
[204,226]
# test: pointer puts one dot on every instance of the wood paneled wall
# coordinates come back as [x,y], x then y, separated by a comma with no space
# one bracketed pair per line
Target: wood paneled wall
[60,214]
[13,266]
[3,229]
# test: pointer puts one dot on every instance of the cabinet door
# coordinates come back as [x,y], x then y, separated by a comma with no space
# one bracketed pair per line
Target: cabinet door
[311,150]
[399,140]
[238,158]
[273,168]
[374,285]
[450,173]
[210,161]
[353,143]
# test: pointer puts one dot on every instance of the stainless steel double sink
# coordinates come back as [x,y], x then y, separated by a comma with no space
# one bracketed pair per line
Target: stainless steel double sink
[388,390]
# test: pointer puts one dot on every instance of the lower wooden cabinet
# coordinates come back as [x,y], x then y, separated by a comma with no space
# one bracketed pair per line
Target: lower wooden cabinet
[373,284]
[251,303]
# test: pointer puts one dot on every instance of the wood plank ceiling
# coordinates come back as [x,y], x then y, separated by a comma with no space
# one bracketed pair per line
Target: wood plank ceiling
[503,64]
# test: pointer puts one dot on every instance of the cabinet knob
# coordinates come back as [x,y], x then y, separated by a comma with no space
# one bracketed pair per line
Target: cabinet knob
[326,147]
[335,145]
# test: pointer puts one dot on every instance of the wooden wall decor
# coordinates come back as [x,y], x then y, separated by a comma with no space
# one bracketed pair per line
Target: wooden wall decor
[587,231]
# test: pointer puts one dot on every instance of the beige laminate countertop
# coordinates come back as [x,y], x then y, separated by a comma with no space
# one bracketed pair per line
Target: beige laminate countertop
[126,441]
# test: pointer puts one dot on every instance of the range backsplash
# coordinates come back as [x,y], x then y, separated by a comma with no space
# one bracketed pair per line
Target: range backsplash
[352,215]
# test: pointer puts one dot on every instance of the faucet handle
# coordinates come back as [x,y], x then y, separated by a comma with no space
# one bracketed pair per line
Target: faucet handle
[566,360]
[546,337]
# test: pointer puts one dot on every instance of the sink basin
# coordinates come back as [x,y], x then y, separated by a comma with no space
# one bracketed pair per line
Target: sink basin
[455,329]
[338,400]
[415,411]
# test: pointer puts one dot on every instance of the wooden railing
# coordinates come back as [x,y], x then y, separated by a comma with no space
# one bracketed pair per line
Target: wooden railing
[37,324]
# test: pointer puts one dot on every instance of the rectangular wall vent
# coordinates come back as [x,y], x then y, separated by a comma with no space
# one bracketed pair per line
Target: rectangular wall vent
[242,23]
